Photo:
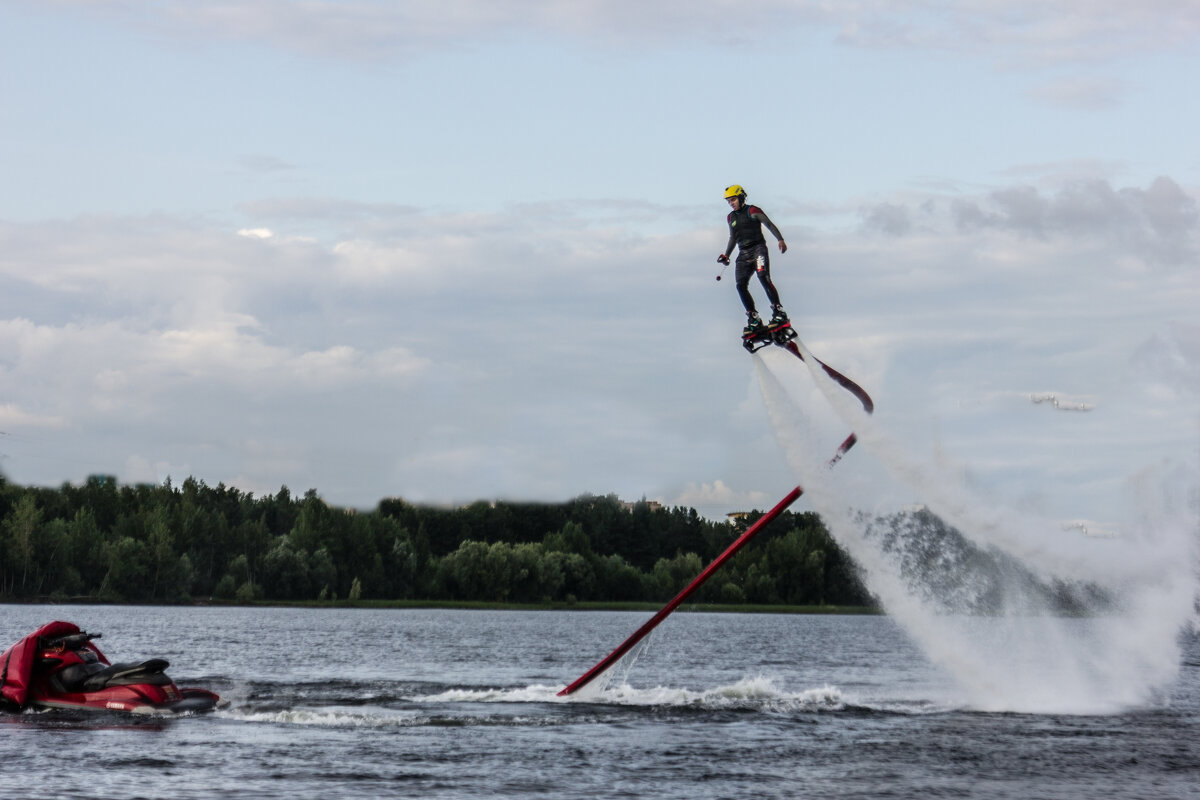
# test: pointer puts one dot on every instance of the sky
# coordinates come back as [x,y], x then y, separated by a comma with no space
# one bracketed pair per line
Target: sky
[466,250]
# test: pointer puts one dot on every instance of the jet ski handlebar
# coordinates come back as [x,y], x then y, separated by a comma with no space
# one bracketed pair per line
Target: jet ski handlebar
[72,641]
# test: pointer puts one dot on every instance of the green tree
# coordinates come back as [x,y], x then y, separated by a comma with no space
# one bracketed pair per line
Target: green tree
[814,573]
[570,539]
[85,548]
[185,579]
[672,575]
[402,567]
[226,588]
[128,571]
[323,574]
[620,580]
[285,574]
[52,555]
[164,561]
[20,533]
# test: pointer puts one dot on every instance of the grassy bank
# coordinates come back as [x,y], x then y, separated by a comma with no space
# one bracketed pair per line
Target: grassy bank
[719,608]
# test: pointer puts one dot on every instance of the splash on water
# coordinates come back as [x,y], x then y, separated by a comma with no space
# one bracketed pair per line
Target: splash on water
[748,694]
[465,707]
[618,672]
[1027,613]
[332,717]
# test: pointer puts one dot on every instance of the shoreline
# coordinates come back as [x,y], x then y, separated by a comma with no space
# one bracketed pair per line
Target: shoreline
[715,608]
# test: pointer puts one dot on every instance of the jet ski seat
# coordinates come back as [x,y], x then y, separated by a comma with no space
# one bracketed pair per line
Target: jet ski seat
[94,676]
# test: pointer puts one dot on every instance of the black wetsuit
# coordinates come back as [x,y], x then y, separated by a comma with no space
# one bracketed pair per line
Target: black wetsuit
[745,230]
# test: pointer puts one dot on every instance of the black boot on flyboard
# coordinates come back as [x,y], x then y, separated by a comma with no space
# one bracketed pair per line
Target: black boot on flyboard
[755,334]
[780,327]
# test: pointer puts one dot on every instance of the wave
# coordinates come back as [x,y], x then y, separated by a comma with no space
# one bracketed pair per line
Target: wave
[750,694]
[510,707]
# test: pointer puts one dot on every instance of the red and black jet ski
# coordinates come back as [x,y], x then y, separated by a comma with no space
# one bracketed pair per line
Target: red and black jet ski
[58,666]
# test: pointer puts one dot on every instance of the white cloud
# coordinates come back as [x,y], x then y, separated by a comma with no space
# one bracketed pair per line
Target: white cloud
[449,358]
[1083,289]
[13,416]
[1159,225]
[712,497]
[1025,32]
[1084,93]
[1019,32]
[263,163]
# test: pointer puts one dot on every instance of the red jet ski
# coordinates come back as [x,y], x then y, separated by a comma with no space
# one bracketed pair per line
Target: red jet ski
[58,666]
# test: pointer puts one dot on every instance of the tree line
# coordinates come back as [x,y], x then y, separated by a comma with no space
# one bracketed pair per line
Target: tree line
[177,543]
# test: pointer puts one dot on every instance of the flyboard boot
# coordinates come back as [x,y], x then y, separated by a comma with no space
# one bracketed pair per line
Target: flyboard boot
[780,327]
[755,334]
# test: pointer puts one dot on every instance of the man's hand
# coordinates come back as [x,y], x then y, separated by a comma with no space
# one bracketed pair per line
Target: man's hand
[723,259]
[782,246]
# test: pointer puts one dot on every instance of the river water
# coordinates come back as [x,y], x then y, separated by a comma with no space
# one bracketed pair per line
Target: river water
[333,703]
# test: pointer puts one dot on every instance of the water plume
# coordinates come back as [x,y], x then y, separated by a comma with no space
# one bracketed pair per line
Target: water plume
[1023,612]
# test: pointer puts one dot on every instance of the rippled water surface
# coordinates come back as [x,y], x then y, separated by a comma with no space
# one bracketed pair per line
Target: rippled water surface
[448,704]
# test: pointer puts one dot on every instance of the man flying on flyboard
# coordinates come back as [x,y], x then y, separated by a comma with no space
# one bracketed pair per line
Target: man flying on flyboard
[745,230]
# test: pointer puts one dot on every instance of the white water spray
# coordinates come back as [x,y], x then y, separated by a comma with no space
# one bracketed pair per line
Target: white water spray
[1120,647]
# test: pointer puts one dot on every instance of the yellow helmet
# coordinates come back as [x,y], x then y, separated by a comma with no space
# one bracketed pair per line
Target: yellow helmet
[734,191]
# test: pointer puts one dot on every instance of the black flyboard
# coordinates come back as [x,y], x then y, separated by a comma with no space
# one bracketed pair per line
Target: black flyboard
[764,335]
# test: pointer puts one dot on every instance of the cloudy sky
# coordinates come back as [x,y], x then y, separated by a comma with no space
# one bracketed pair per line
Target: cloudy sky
[462,250]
